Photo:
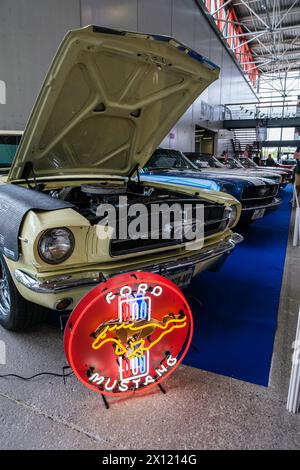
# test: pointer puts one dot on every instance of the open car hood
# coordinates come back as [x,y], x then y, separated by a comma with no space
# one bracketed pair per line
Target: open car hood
[108,100]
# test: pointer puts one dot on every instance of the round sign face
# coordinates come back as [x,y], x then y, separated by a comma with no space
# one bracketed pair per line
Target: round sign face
[129,333]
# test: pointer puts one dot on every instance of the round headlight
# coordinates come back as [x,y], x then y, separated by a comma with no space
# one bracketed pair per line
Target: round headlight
[56,245]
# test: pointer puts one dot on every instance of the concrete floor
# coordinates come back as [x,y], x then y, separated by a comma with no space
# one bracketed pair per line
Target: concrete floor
[201,410]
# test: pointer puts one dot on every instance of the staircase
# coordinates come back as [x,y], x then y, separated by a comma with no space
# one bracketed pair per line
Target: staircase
[243,138]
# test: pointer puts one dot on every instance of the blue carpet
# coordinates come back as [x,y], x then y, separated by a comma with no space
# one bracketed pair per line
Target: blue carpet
[235,327]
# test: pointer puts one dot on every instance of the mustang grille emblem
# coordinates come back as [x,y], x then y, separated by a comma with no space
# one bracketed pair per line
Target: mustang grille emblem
[263,191]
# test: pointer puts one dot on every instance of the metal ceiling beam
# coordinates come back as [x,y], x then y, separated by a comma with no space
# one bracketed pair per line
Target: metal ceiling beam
[264,3]
[267,31]
[292,60]
[293,84]
[236,23]
[221,7]
[285,14]
[270,52]
[283,60]
[291,44]
[236,4]
[254,13]
[255,103]
[283,42]
[290,66]
[290,49]
[278,57]
[247,42]
[265,81]
[212,21]
[248,33]
[273,84]
[270,77]
[249,19]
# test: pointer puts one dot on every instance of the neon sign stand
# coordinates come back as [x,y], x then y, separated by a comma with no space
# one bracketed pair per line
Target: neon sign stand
[128,334]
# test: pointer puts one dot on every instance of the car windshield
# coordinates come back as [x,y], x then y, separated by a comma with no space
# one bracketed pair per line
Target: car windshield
[232,163]
[8,148]
[205,161]
[247,163]
[167,160]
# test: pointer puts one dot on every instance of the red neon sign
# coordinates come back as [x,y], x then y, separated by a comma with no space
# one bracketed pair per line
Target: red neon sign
[128,334]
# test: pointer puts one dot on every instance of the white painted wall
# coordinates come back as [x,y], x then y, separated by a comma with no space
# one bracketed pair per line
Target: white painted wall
[30,31]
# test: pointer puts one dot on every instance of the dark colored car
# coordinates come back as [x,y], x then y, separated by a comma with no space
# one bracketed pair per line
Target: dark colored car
[286,173]
[258,195]
[287,163]
[229,166]
[236,164]
[9,141]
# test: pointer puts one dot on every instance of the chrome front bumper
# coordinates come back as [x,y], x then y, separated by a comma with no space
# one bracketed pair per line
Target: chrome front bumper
[67,282]
[272,204]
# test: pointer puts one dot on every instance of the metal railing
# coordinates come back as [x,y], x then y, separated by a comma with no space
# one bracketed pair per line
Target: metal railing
[261,111]
[296,205]
[293,400]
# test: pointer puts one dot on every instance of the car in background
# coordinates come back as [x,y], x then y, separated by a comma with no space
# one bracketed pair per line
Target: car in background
[257,195]
[9,142]
[289,163]
[233,163]
[287,160]
[108,100]
[287,174]
[213,165]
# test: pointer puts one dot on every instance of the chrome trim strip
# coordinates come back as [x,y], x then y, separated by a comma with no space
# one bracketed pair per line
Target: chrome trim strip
[58,284]
[275,203]
[54,285]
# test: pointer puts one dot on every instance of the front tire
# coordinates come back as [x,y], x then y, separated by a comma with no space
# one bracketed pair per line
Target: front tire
[16,313]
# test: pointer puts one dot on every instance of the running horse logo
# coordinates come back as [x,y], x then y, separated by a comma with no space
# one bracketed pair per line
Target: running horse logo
[130,338]
[134,334]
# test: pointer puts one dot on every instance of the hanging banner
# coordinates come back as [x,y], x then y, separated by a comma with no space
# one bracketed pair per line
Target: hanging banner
[261,130]
[128,334]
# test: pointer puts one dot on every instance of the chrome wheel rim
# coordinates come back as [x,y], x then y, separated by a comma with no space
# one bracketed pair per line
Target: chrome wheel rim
[4,292]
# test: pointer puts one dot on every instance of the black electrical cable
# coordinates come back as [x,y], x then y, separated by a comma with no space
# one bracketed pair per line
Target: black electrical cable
[53,374]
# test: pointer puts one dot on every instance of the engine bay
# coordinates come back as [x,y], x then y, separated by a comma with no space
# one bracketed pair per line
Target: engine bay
[88,197]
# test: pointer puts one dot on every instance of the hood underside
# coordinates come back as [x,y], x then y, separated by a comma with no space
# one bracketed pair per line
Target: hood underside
[108,100]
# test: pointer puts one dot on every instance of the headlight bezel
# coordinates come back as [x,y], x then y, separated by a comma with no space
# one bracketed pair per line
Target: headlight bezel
[68,253]
[233,215]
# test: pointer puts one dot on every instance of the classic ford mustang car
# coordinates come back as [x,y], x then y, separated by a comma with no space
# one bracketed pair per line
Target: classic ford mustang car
[257,195]
[286,173]
[108,100]
[236,165]
[9,141]
[232,167]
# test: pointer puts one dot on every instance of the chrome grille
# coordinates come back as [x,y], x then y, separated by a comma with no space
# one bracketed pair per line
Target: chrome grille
[215,220]
[260,192]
